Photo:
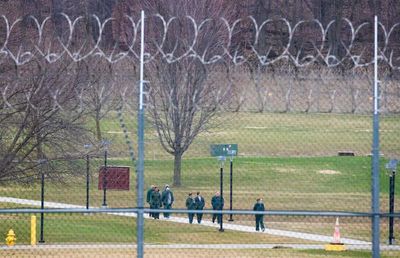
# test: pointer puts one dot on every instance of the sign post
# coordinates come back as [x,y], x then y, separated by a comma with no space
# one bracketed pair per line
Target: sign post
[105,143]
[232,153]
[221,160]
[391,166]
[224,150]
[41,162]
[104,205]
[87,147]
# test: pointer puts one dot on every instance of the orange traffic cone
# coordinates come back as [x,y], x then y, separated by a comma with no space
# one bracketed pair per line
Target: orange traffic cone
[336,233]
[336,244]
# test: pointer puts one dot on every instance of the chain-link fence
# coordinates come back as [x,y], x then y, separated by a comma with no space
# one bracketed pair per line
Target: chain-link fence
[256,135]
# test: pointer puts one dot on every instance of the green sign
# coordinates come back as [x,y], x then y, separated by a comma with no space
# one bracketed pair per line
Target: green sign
[224,150]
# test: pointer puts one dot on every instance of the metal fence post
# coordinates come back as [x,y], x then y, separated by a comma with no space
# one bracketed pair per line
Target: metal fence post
[375,153]
[140,164]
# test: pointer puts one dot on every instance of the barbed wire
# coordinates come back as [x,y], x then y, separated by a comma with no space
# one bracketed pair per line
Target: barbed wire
[258,52]
[322,53]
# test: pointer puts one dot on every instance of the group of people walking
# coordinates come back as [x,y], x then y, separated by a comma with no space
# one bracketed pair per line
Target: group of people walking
[165,199]
[196,203]
[157,200]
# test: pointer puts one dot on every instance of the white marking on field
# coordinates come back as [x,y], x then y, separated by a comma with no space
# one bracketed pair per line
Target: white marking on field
[236,227]
[329,172]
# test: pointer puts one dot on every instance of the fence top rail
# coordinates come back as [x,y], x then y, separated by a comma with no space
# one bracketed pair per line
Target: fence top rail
[184,211]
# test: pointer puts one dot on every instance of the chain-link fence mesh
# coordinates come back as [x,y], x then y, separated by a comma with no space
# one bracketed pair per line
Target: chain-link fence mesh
[294,96]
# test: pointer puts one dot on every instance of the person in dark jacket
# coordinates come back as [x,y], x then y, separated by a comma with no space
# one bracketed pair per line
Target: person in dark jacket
[217,203]
[167,199]
[259,206]
[190,205]
[155,202]
[148,197]
[199,201]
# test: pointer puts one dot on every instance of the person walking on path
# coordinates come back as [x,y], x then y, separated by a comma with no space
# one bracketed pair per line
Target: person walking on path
[190,205]
[259,206]
[217,203]
[199,201]
[148,198]
[167,199]
[155,202]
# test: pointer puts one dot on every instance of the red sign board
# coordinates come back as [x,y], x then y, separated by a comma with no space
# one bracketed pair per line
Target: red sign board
[116,178]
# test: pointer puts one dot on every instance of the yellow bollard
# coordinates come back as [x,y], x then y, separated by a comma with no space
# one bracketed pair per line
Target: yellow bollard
[10,239]
[33,230]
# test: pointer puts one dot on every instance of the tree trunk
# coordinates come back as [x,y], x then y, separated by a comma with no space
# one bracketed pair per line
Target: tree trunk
[98,130]
[177,169]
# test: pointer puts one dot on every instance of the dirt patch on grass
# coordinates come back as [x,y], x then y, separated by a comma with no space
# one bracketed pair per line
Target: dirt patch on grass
[287,170]
[329,172]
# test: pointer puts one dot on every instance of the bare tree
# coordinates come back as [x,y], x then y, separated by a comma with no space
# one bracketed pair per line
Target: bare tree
[184,97]
[326,79]
[285,83]
[38,119]
[185,94]
[39,114]
[257,74]
[100,93]
[238,96]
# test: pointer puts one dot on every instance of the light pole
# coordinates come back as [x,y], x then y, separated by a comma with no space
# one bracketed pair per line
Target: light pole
[41,239]
[232,153]
[105,144]
[221,151]
[221,190]
[87,147]
[391,166]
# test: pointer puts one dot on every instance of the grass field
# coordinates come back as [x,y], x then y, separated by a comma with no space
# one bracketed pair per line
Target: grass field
[288,159]
[273,134]
[285,184]
[297,183]
[79,228]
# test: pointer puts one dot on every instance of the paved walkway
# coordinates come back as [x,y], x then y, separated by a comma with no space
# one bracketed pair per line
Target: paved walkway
[230,226]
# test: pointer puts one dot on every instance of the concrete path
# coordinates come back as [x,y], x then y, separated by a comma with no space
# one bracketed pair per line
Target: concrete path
[229,226]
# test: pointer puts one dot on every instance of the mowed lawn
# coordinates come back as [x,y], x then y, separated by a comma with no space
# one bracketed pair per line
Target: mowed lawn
[290,160]
[195,253]
[296,183]
[271,134]
[109,228]
[123,252]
